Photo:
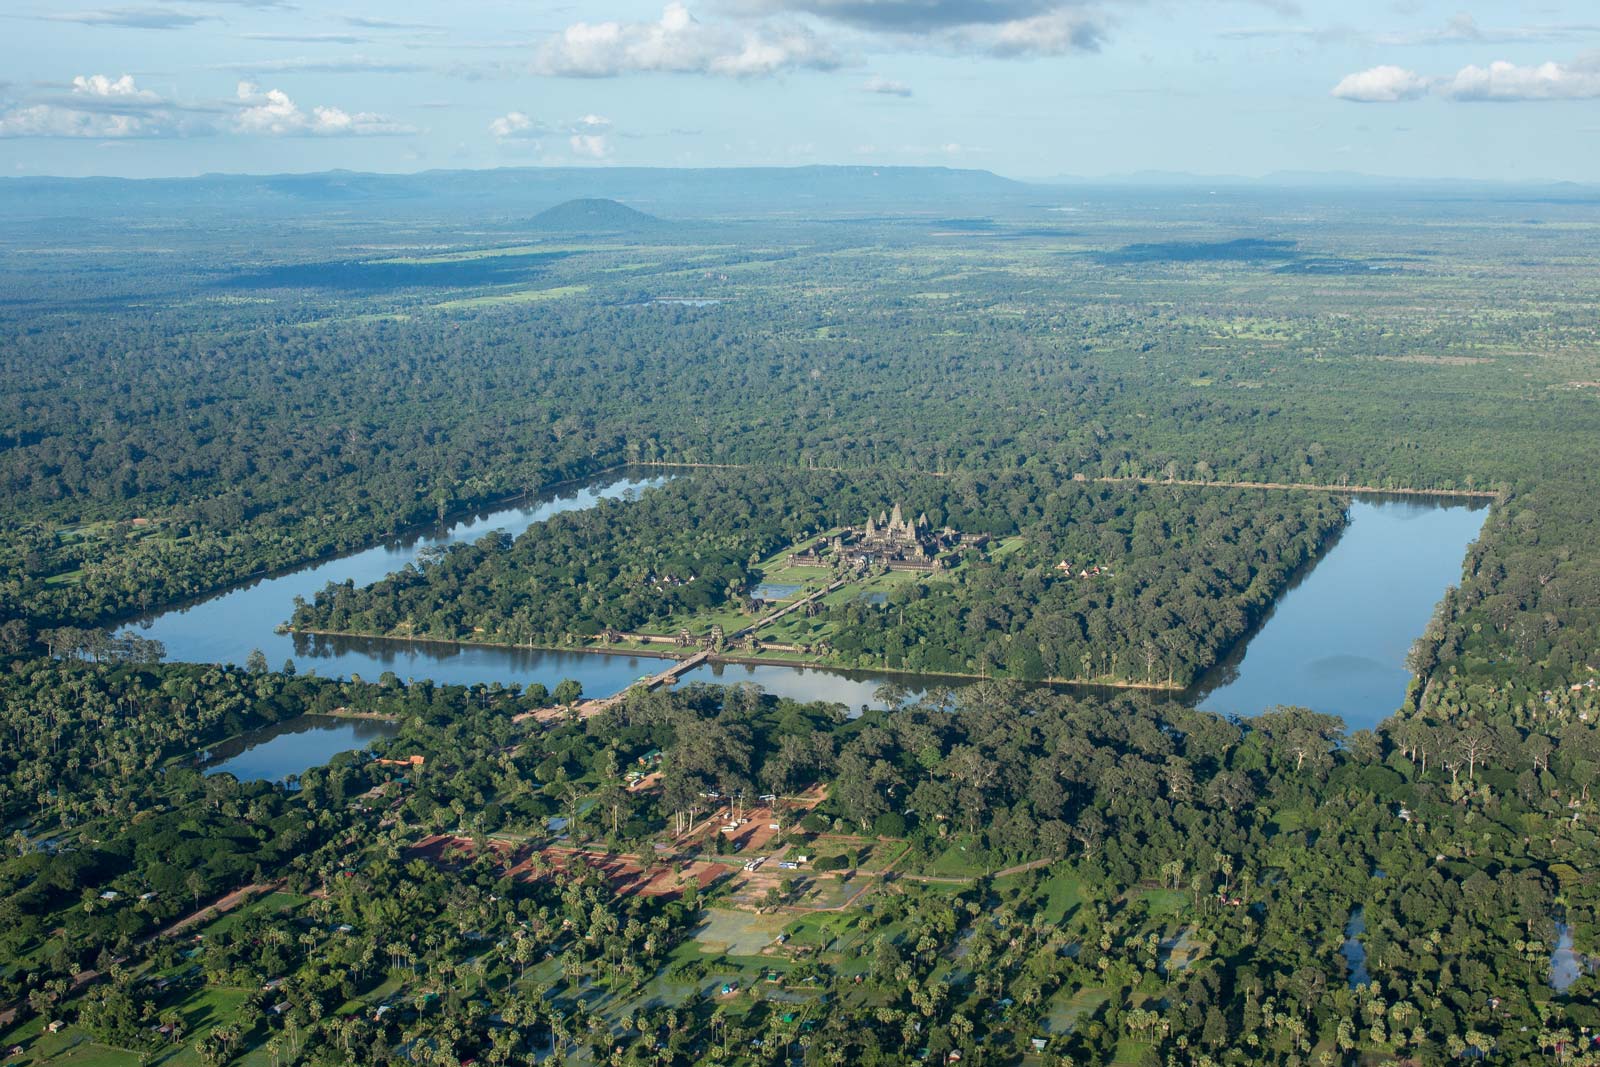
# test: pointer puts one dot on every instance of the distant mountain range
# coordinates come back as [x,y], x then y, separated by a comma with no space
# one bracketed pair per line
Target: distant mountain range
[517,195]
[523,192]
[1301,179]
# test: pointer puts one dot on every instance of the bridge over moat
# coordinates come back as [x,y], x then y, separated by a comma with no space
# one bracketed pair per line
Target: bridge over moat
[681,667]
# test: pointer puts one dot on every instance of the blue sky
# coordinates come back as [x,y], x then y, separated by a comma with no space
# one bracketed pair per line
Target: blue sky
[1028,88]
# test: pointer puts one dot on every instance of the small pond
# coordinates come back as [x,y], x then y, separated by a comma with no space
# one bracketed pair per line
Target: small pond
[1353,951]
[287,749]
[1566,964]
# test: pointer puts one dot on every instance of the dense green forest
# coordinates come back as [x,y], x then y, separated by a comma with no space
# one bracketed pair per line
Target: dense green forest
[1007,873]
[1185,572]
[1127,827]
[264,418]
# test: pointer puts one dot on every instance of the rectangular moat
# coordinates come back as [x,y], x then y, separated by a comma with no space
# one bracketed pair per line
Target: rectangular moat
[1335,642]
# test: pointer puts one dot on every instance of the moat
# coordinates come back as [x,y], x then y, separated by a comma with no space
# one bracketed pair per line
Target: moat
[1336,640]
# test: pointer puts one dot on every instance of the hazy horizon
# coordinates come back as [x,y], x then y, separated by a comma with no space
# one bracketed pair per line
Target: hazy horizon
[1026,88]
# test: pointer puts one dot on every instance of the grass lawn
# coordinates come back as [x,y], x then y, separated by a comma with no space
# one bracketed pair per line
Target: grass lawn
[1287,820]
[1128,1052]
[376,995]
[808,577]
[1006,546]
[955,862]
[1061,895]
[739,933]
[1165,901]
[72,1047]
[828,931]
[270,904]
[1070,1006]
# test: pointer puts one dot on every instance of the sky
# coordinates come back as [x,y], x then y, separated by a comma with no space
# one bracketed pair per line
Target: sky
[1026,88]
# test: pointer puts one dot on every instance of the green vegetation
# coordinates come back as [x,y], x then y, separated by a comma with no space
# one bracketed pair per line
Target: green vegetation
[1108,876]
[1122,880]
[1161,581]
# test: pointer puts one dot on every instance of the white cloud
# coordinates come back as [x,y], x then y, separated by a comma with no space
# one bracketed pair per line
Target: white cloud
[1381,85]
[1505,82]
[1499,82]
[120,89]
[1054,33]
[514,124]
[680,44]
[98,107]
[589,145]
[47,120]
[517,125]
[885,87]
[272,113]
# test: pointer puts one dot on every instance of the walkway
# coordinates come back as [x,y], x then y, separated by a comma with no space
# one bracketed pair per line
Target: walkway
[678,669]
[1317,487]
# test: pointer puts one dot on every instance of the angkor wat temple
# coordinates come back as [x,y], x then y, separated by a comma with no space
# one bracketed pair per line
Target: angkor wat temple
[889,540]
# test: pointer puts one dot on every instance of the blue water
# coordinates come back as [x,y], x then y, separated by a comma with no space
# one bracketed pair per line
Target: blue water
[289,749]
[1353,951]
[225,628]
[853,689]
[1566,966]
[1337,641]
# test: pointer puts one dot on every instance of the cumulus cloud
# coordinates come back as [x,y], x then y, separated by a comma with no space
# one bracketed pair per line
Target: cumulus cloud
[1507,82]
[679,43]
[586,138]
[98,106]
[885,87]
[122,90]
[1054,33]
[1382,85]
[46,120]
[272,113]
[514,124]
[1499,82]
[589,145]
[517,125]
